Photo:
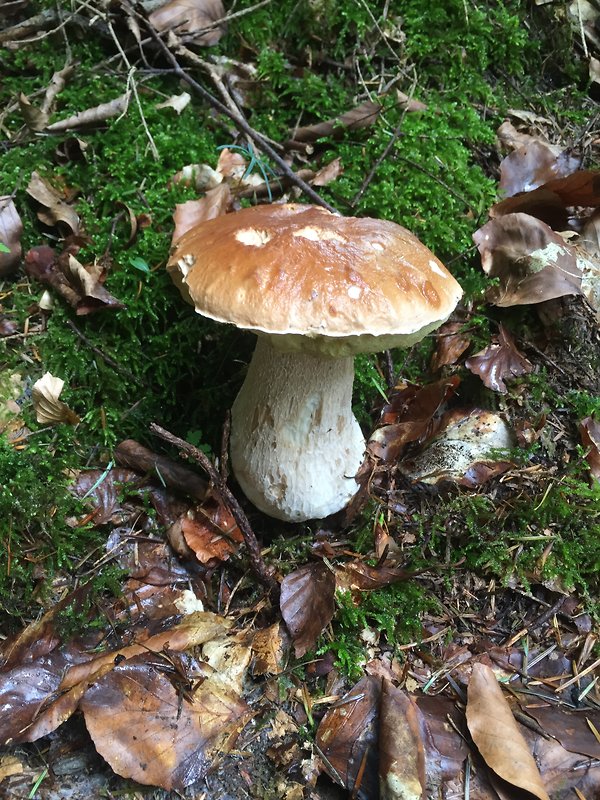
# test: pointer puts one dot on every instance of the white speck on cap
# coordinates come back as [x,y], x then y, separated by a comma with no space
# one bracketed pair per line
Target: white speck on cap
[252,237]
[436,268]
[354,292]
[319,235]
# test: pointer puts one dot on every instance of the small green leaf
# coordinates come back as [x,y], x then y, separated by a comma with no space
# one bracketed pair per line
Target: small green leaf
[140,264]
[4,248]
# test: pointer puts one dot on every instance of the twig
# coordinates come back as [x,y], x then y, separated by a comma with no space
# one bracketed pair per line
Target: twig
[260,568]
[134,455]
[386,151]
[241,124]
[110,361]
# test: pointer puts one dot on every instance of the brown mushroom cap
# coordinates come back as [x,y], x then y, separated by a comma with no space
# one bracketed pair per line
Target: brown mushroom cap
[289,271]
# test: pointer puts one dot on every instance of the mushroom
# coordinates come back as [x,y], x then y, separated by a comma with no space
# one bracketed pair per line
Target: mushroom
[317,288]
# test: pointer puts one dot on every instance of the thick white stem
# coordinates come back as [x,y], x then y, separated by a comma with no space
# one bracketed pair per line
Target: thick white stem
[295,443]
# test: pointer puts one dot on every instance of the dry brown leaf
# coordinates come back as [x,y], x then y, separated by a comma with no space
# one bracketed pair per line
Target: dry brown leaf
[358,575]
[49,410]
[194,629]
[54,211]
[347,737]
[80,285]
[359,117]
[549,201]
[510,138]
[35,118]
[329,173]
[11,229]
[589,430]
[499,362]
[409,103]
[147,732]
[93,116]
[191,17]
[215,202]
[497,735]
[531,261]
[307,604]
[401,746]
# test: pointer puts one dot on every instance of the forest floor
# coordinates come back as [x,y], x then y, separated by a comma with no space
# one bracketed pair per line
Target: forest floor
[161,637]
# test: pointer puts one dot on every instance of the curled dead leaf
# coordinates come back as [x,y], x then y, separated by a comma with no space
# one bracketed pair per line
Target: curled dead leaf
[401,746]
[54,210]
[49,410]
[93,116]
[361,116]
[532,165]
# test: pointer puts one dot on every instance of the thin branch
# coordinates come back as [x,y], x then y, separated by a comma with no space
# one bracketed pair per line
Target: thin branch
[240,123]
[258,565]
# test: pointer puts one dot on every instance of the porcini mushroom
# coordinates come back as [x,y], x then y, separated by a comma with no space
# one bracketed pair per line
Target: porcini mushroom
[317,288]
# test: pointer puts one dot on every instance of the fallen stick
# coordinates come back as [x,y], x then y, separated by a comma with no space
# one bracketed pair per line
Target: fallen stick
[219,486]
[135,456]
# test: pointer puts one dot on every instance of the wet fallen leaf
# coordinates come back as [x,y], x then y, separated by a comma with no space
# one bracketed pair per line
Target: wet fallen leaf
[497,734]
[361,116]
[461,450]
[54,210]
[104,491]
[211,532]
[451,343]
[533,165]
[11,229]
[498,362]
[92,116]
[347,737]
[401,746]
[580,188]
[49,410]
[269,648]
[192,18]
[35,118]
[531,261]
[307,603]
[589,430]
[510,138]
[146,732]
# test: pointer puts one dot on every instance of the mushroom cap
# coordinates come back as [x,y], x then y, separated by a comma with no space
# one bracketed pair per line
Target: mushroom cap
[313,280]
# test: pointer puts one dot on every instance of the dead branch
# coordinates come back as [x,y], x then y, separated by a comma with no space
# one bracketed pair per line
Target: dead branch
[135,456]
[238,120]
[258,564]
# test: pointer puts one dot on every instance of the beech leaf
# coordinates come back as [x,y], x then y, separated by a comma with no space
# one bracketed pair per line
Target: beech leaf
[497,735]
[498,362]
[307,604]
[531,261]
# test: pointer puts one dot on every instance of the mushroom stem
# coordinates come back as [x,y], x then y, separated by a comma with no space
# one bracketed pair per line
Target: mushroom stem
[295,443]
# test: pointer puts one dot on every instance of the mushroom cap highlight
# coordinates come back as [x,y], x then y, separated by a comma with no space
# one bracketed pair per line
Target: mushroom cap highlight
[313,280]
